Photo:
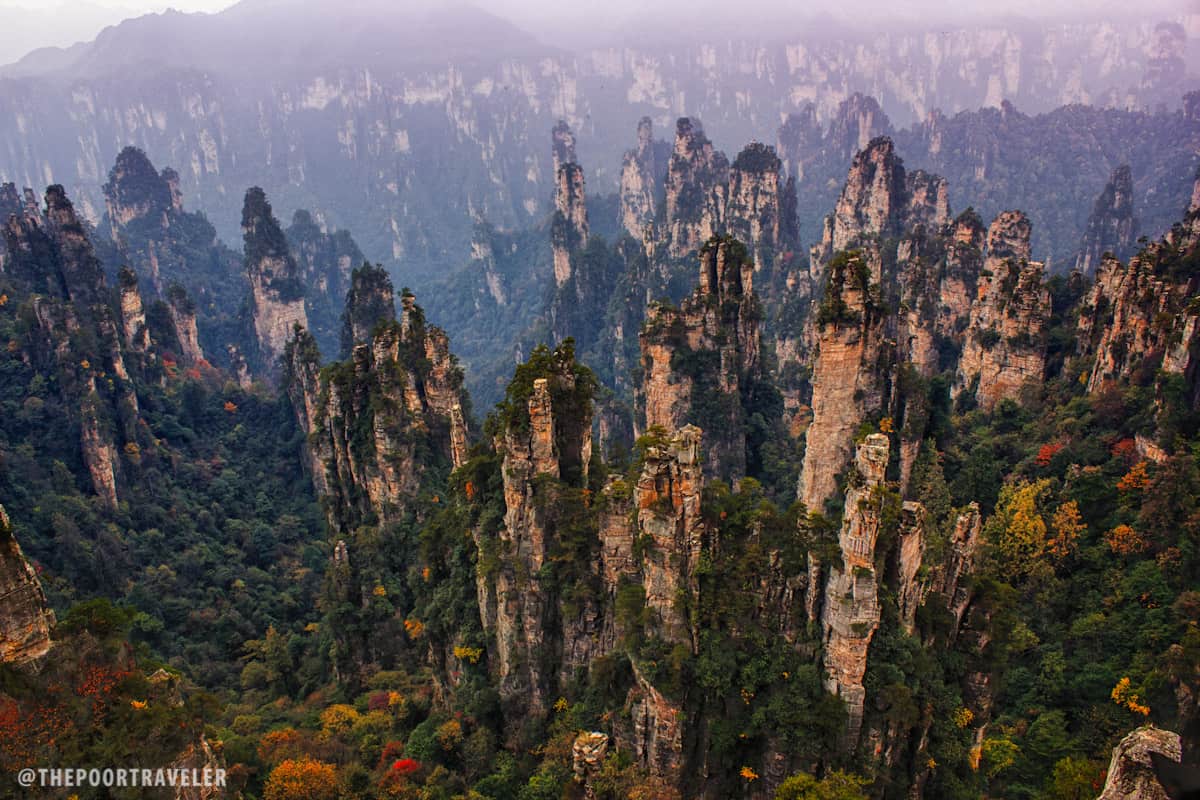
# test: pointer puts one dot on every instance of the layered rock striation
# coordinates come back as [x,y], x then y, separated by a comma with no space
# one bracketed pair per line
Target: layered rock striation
[25,617]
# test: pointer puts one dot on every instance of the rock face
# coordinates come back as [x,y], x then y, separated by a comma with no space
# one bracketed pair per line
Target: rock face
[276,285]
[850,612]
[761,205]
[642,182]
[1112,227]
[133,314]
[183,316]
[697,189]
[539,639]
[1131,773]
[569,228]
[25,618]
[1005,338]
[155,235]
[52,257]
[369,303]
[135,190]
[696,359]
[1138,317]
[664,506]
[325,260]
[401,386]
[587,755]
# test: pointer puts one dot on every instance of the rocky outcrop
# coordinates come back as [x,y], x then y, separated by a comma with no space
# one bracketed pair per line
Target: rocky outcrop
[1004,345]
[133,314]
[847,383]
[587,756]
[569,228]
[25,617]
[538,639]
[1139,317]
[697,190]
[276,284]
[697,358]
[401,387]
[200,758]
[183,317]
[668,495]
[661,512]
[325,260]
[910,551]
[1112,227]
[642,182]
[761,207]
[1131,773]
[146,219]
[370,303]
[135,190]
[850,611]
[52,257]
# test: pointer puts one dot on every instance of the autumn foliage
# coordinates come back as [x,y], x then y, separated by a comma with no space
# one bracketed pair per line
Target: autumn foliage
[302,779]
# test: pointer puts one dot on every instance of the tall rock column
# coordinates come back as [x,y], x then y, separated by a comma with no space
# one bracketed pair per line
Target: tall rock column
[183,315]
[569,230]
[846,383]
[1005,338]
[850,613]
[538,639]
[641,183]
[697,189]
[25,617]
[277,291]
[696,358]
[760,210]
[1112,227]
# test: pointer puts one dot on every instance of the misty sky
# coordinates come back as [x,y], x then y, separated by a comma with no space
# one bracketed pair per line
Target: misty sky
[30,24]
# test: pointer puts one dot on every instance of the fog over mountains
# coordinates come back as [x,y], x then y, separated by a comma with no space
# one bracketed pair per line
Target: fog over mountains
[409,126]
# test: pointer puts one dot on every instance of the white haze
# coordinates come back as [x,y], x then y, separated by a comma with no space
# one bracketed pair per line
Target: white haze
[32,24]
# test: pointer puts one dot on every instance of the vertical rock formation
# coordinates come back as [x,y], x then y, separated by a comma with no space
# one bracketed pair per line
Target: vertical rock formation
[668,494]
[847,384]
[697,189]
[1111,228]
[562,144]
[183,317]
[52,256]
[133,314]
[910,551]
[1131,772]
[145,216]
[1005,338]
[325,261]
[25,617]
[367,417]
[135,190]
[370,302]
[661,512]
[697,359]
[545,441]
[850,612]
[1139,317]
[276,286]
[569,229]
[760,211]
[800,140]
[587,756]
[641,182]
[10,205]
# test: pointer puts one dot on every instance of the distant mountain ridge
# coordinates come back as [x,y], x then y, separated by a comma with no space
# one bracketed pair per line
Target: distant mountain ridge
[361,118]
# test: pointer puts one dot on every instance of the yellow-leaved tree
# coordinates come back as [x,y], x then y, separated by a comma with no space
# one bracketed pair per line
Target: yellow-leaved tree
[1017,531]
